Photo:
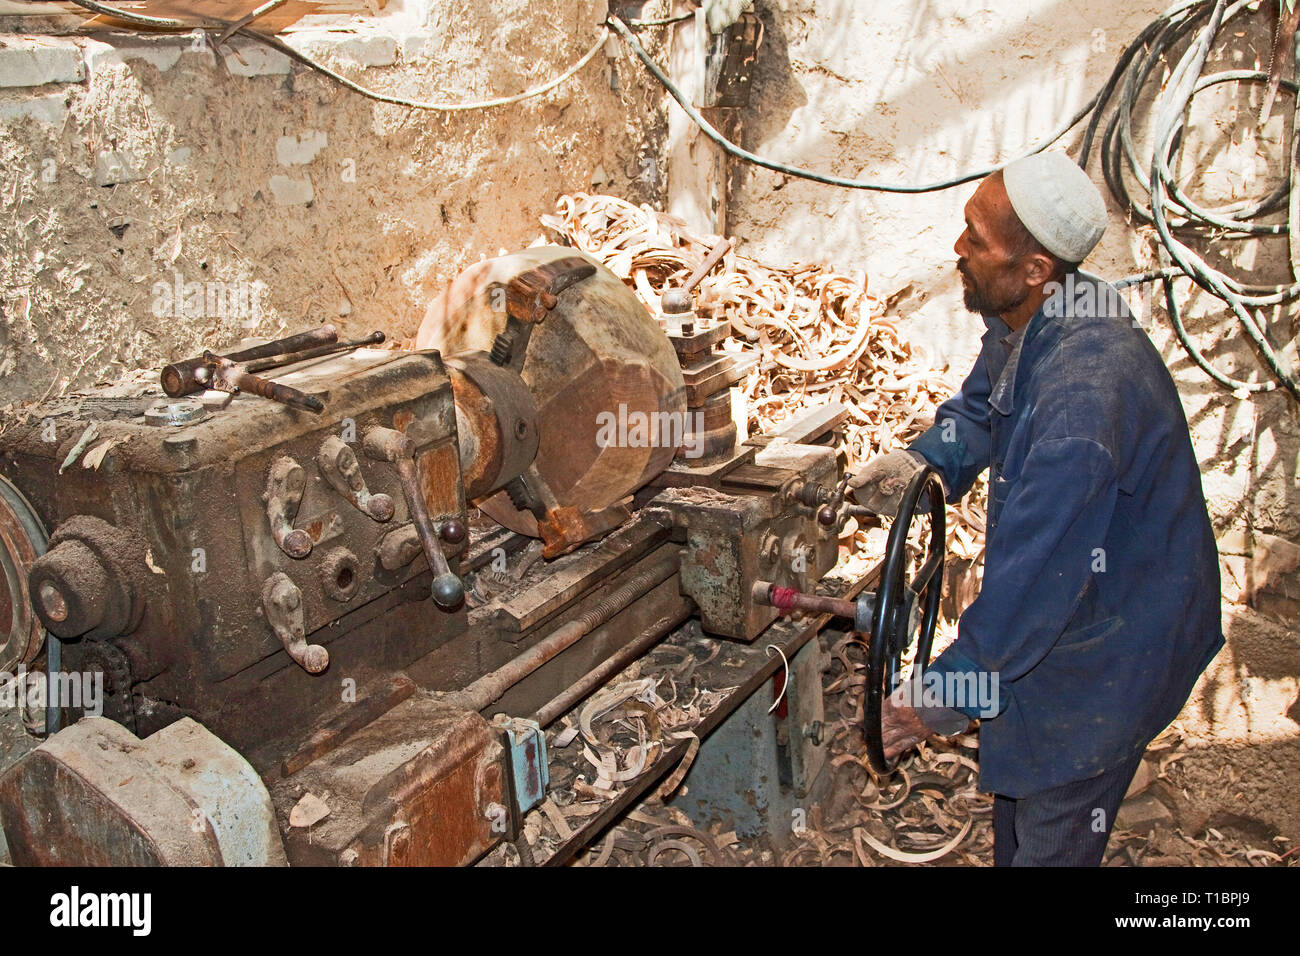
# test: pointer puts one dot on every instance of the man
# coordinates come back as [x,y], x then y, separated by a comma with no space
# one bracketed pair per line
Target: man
[1100,600]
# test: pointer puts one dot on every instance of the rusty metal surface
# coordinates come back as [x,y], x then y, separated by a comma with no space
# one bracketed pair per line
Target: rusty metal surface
[91,581]
[22,541]
[496,419]
[227,376]
[282,605]
[713,372]
[368,707]
[92,796]
[240,566]
[415,787]
[193,375]
[394,447]
[755,526]
[689,345]
[711,431]
[491,686]
[339,466]
[518,613]
[191,495]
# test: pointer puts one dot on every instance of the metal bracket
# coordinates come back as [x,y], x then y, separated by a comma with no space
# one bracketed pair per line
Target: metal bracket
[529,769]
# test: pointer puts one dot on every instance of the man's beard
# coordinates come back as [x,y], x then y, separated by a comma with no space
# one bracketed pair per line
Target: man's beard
[979,302]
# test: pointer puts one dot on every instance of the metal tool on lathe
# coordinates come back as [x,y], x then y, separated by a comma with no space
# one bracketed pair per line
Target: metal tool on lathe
[237,372]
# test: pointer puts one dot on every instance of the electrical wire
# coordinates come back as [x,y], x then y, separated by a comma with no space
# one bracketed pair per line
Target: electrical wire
[1165,205]
[739,152]
[667,22]
[229,27]
[1167,208]
[1170,207]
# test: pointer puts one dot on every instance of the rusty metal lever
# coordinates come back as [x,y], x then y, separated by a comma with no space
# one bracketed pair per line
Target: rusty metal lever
[679,300]
[320,351]
[339,465]
[386,444]
[282,604]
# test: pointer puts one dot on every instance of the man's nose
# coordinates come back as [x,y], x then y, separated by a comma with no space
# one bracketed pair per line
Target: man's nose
[959,245]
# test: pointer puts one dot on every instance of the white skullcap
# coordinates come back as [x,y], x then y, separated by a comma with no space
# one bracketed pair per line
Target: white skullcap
[1057,202]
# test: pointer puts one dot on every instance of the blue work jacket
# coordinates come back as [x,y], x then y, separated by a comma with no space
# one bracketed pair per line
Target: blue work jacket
[1099,606]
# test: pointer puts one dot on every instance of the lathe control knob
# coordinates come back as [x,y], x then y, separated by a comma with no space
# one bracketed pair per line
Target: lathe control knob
[83,585]
[70,586]
[448,591]
[453,531]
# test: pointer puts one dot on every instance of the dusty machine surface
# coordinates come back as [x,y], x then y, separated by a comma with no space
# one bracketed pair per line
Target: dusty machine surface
[312,594]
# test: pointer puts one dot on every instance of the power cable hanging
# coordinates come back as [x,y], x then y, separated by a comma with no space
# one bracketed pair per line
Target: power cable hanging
[1135,65]
[1169,209]
[235,28]
[739,152]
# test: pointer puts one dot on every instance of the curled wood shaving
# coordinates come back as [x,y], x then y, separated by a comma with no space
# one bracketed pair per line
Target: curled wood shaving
[884,849]
[680,845]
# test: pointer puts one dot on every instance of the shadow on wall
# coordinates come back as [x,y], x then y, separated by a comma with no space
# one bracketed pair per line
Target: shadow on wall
[1239,797]
[1249,454]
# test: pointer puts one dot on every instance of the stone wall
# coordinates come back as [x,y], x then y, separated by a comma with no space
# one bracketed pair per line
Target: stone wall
[156,198]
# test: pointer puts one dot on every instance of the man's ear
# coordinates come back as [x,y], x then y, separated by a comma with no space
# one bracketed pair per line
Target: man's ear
[1038,269]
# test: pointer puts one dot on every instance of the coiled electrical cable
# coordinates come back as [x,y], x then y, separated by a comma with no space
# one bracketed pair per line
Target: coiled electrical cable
[1166,206]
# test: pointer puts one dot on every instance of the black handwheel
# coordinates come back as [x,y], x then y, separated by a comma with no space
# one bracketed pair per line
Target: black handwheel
[891,631]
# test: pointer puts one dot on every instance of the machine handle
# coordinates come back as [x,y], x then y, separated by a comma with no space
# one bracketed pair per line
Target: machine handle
[320,351]
[891,617]
[229,376]
[710,261]
[386,444]
[886,614]
[678,301]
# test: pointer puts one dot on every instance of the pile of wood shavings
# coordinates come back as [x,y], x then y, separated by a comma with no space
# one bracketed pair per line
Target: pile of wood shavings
[822,336]
[927,812]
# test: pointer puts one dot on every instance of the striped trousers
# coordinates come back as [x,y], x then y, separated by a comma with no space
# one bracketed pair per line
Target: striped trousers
[1068,825]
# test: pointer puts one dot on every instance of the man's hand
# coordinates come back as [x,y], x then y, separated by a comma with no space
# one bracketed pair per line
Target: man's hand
[901,727]
[880,483]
